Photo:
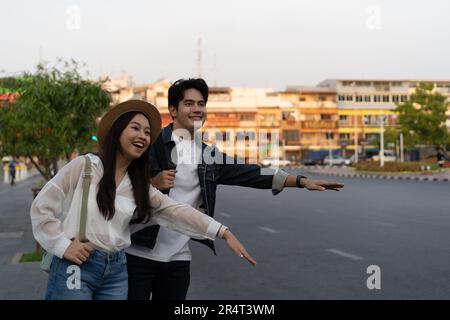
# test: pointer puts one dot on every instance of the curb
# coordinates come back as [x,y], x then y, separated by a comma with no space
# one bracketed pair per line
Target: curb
[16,258]
[377,176]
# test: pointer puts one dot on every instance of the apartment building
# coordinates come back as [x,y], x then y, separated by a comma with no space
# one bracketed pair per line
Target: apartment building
[337,114]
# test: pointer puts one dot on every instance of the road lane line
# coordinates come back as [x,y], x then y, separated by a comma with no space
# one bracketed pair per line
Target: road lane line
[11,235]
[224,214]
[268,229]
[345,254]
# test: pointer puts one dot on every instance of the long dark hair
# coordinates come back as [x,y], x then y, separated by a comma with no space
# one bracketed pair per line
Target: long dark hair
[139,172]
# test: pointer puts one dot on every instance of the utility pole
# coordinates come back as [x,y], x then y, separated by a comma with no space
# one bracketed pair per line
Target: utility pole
[199,57]
[355,128]
[381,140]
[402,159]
[330,153]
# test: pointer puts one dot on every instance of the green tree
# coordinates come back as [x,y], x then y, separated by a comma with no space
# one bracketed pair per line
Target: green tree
[54,115]
[422,117]
[9,85]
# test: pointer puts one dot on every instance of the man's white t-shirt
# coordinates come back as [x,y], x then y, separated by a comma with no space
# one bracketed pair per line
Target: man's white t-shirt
[171,245]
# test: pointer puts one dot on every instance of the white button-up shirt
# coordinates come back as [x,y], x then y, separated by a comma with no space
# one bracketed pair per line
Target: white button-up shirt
[55,213]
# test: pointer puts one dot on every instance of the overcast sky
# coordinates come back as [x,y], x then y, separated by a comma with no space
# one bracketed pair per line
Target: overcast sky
[253,43]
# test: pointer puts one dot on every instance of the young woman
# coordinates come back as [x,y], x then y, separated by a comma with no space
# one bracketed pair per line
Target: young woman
[120,197]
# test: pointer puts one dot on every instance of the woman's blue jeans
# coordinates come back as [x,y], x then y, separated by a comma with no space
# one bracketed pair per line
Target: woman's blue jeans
[102,277]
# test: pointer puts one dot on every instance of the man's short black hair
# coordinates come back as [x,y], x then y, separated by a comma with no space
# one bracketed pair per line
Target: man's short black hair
[176,90]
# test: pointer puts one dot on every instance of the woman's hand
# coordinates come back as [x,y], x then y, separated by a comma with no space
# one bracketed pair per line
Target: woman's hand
[78,252]
[237,247]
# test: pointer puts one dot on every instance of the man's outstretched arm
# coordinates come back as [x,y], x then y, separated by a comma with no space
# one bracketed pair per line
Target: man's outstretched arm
[312,185]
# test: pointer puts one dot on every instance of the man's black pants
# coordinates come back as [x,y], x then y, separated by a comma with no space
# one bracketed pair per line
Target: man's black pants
[161,280]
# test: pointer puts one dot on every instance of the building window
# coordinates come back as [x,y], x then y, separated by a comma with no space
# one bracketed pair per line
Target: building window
[249,135]
[395,98]
[329,135]
[372,137]
[325,117]
[246,117]
[344,136]
[370,120]
[385,98]
[359,98]
[377,98]
[290,135]
[349,98]
[343,118]
[286,115]
[366,98]
[341,98]
[403,98]
[219,136]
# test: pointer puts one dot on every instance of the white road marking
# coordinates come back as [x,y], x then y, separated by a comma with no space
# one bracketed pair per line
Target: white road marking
[224,214]
[345,254]
[7,235]
[16,258]
[268,229]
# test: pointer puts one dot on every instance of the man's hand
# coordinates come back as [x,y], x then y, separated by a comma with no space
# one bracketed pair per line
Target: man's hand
[78,252]
[237,247]
[321,185]
[164,180]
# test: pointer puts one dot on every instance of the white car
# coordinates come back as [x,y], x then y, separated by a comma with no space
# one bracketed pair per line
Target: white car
[389,156]
[275,162]
[336,161]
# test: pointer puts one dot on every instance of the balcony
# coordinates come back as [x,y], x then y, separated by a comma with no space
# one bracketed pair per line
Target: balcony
[246,123]
[270,124]
[318,125]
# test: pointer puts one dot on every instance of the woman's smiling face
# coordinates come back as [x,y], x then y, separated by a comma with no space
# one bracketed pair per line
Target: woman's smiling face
[136,137]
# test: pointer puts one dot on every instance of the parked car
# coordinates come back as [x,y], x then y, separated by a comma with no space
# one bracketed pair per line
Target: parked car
[389,156]
[276,162]
[361,157]
[336,161]
[312,161]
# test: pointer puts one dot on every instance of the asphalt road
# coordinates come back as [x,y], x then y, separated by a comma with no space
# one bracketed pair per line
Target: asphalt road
[309,245]
[319,245]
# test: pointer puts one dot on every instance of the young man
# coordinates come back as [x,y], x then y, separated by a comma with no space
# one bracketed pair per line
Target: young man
[159,259]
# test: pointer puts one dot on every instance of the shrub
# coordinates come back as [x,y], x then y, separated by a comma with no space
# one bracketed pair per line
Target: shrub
[390,166]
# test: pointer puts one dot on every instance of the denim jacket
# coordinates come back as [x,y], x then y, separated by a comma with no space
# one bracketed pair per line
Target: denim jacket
[226,171]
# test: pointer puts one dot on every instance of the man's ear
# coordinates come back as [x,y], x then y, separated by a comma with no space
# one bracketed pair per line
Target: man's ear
[173,111]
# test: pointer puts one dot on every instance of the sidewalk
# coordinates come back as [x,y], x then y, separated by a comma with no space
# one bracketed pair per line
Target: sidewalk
[31,173]
[352,173]
[18,280]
